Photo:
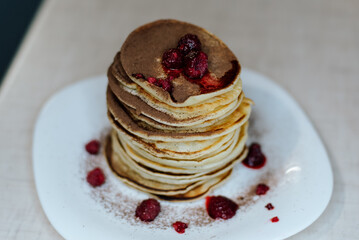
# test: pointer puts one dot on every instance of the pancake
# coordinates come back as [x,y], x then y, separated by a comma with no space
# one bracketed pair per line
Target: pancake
[162,115]
[143,49]
[148,103]
[162,175]
[196,165]
[167,191]
[120,118]
[175,143]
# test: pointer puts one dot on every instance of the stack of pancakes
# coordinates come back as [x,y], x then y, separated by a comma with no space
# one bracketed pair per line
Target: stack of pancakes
[178,145]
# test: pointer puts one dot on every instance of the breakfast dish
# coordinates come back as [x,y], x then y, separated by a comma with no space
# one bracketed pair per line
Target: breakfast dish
[177,109]
[131,155]
[295,154]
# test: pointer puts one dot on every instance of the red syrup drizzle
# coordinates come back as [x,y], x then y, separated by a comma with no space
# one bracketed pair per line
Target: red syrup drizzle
[255,159]
[274,219]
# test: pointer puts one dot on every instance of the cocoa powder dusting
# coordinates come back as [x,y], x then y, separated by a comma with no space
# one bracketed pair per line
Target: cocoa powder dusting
[121,201]
[183,89]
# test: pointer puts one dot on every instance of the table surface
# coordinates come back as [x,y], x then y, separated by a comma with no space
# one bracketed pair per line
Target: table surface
[311,48]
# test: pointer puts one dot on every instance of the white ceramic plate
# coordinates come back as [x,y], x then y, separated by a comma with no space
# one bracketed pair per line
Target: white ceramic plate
[298,172]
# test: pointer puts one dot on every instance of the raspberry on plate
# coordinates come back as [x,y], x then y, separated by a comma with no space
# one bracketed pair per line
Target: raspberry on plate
[95,177]
[148,210]
[221,207]
[255,158]
[262,189]
[180,227]
[93,147]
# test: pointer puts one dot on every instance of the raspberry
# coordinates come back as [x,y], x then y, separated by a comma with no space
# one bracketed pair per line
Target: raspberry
[255,148]
[255,158]
[275,219]
[262,189]
[210,83]
[172,59]
[196,64]
[163,83]
[95,177]
[188,43]
[180,227]
[93,147]
[166,84]
[269,206]
[148,210]
[175,73]
[138,75]
[152,80]
[221,207]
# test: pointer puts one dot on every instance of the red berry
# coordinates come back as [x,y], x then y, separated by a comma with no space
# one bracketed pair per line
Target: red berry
[93,147]
[172,59]
[275,219]
[175,73]
[180,227]
[221,207]
[269,206]
[166,84]
[152,80]
[163,83]
[138,75]
[188,43]
[196,64]
[210,82]
[262,189]
[95,177]
[255,158]
[148,210]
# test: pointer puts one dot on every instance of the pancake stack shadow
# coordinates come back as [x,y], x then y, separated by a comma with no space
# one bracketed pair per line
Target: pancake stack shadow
[173,150]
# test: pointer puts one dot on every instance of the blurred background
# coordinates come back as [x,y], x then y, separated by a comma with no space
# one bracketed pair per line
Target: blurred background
[15,18]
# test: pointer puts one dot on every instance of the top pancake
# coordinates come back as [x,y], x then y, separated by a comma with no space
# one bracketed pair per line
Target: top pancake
[142,53]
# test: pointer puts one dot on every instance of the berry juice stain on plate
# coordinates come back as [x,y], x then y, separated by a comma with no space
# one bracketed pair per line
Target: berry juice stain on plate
[111,194]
